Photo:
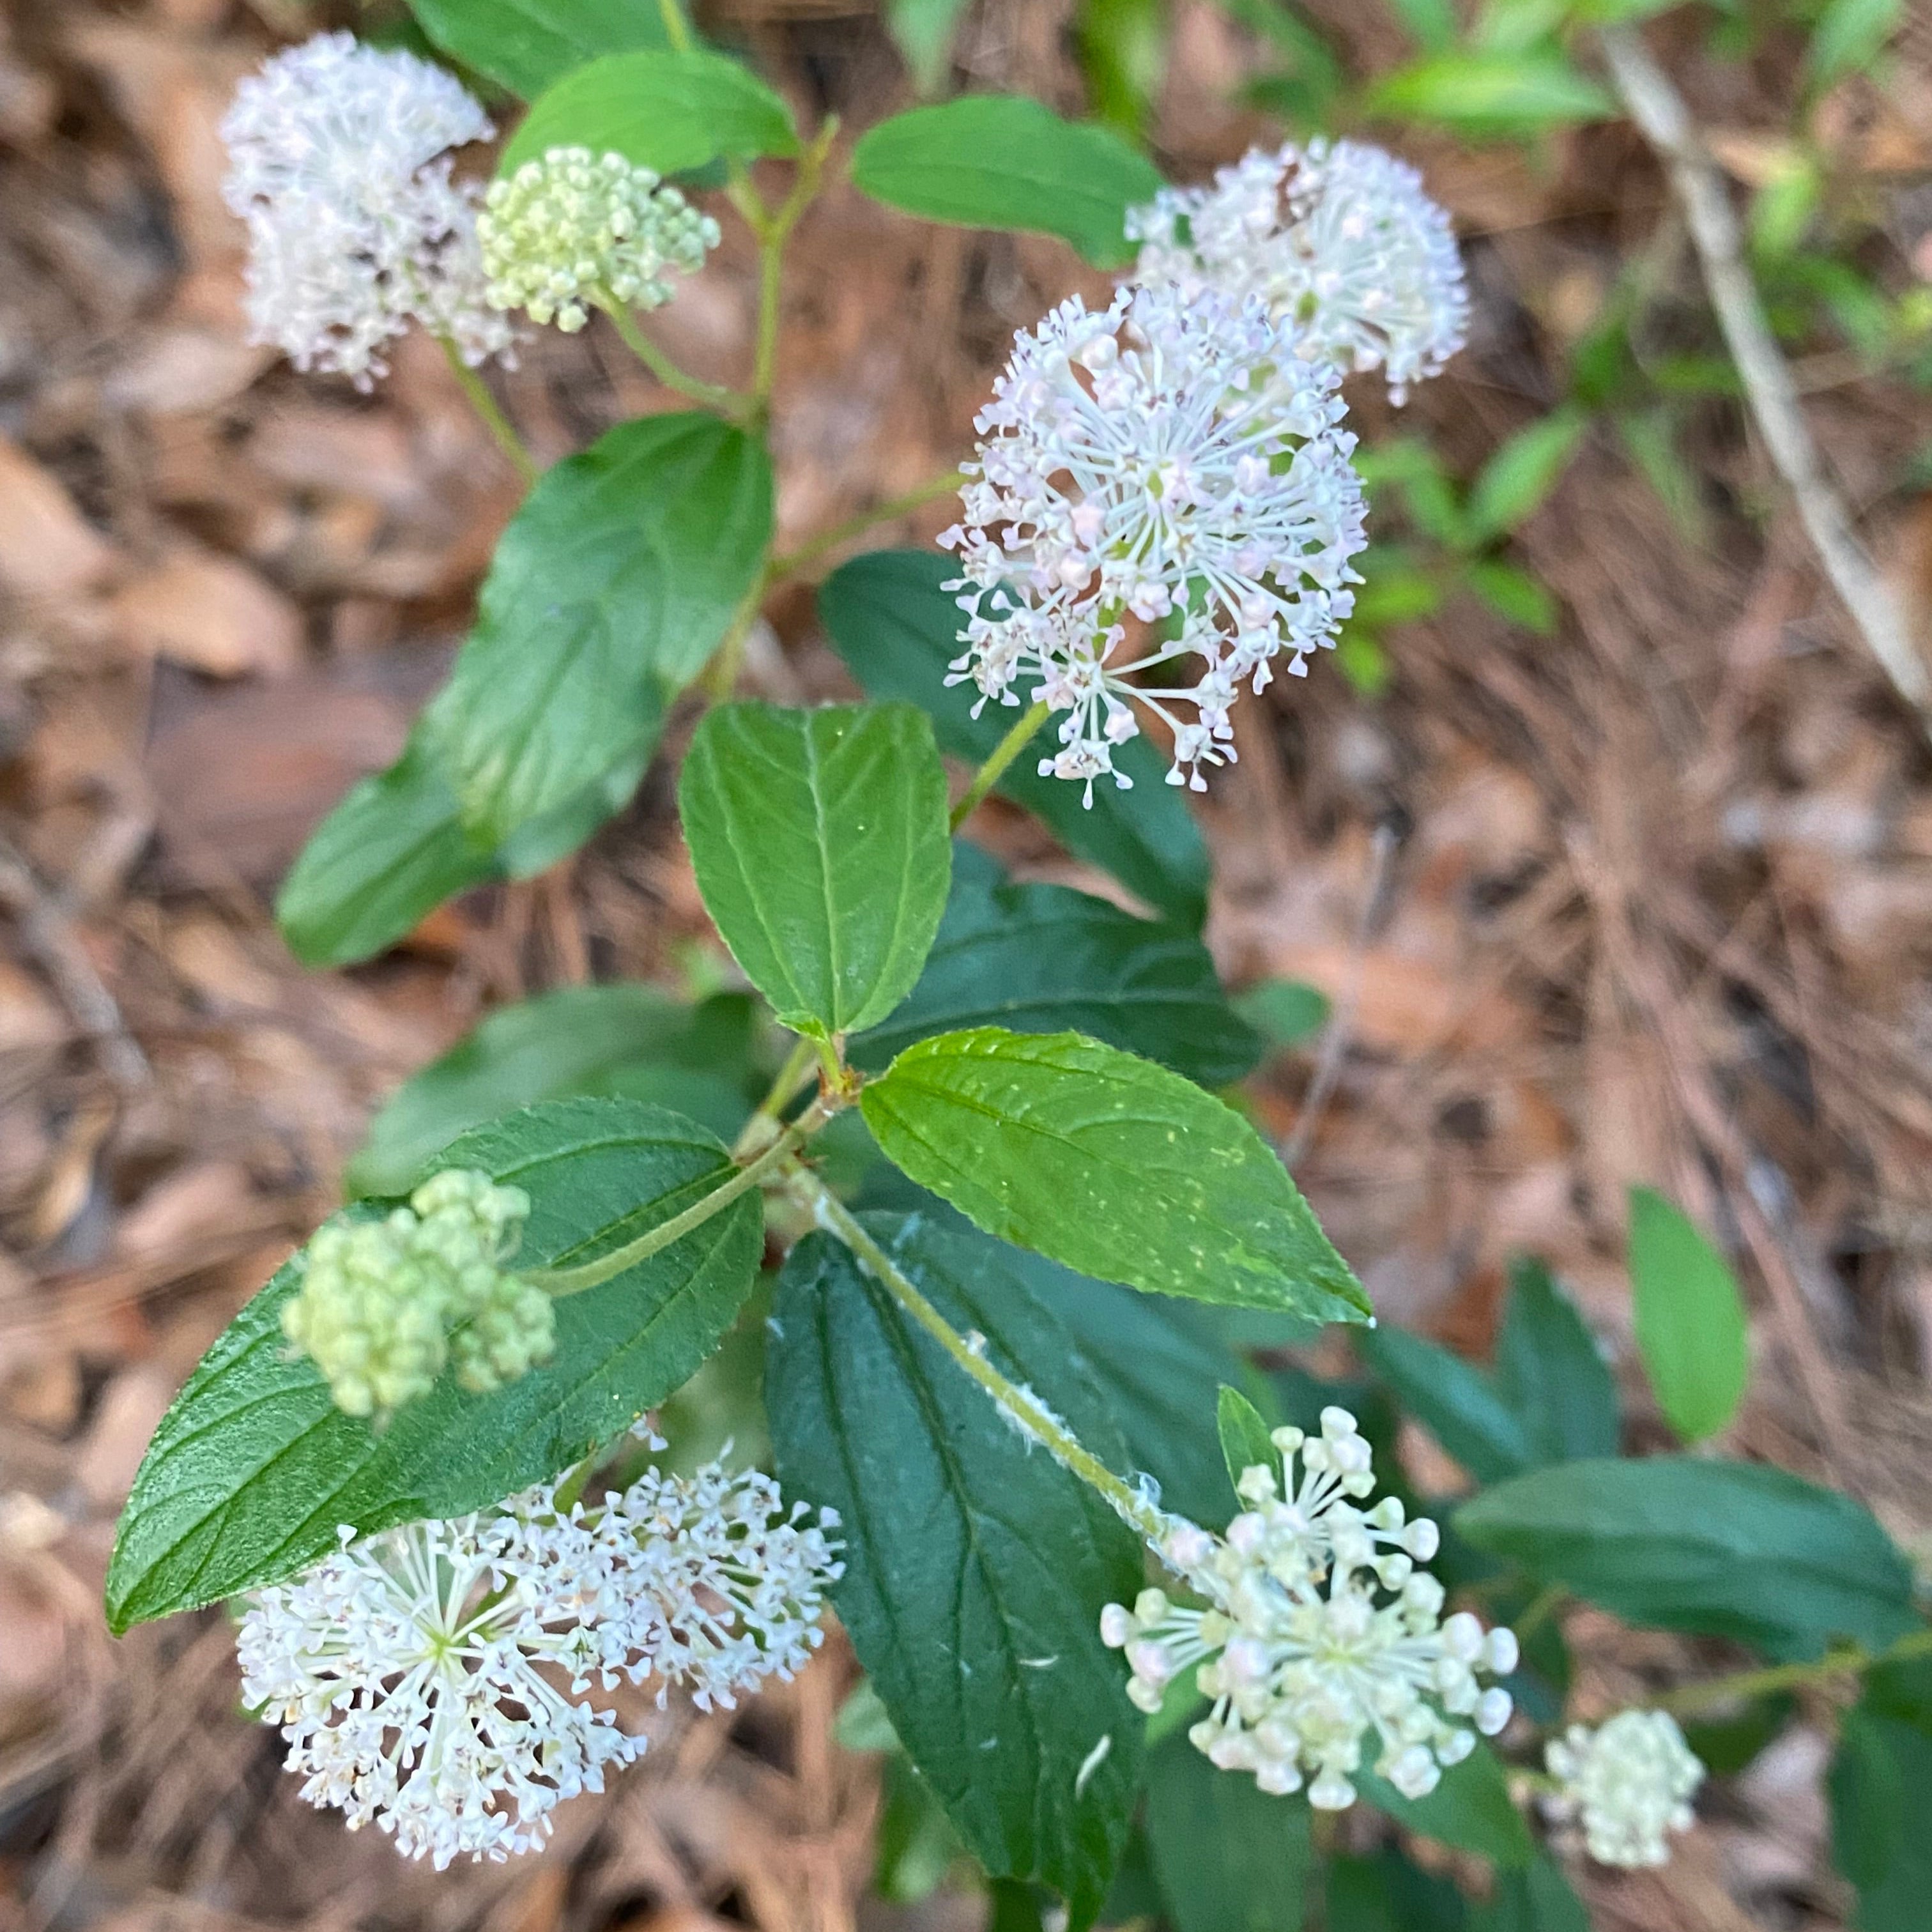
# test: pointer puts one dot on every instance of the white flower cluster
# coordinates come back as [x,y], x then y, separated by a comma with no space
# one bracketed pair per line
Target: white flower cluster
[338,162]
[385,1305]
[1340,238]
[572,229]
[1300,1657]
[1174,459]
[429,1678]
[1628,1783]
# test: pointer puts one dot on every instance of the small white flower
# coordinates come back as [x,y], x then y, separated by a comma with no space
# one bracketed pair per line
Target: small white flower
[1339,237]
[429,1678]
[1174,459]
[1301,1658]
[573,229]
[1628,1783]
[338,162]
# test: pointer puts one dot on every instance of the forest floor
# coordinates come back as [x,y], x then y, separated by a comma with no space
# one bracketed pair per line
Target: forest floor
[1647,900]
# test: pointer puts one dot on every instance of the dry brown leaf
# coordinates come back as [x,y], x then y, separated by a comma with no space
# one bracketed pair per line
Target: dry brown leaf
[212,614]
[48,549]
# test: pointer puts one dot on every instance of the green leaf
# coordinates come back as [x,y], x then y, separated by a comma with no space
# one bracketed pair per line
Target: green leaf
[1481,93]
[1363,661]
[1536,1899]
[1288,1012]
[821,845]
[1470,1809]
[524,45]
[1691,1326]
[915,1846]
[1001,160]
[897,630]
[1727,1744]
[1244,1433]
[1122,45]
[610,588]
[1877,1786]
[1229,1857]
[1109,1165]
[1850,37]
[575,1040]
[1519,476]
[1453,1398]
[253,1466]
[1431,23]
[1513,594]
[1551,1373]
[1733,1550]
[1047,959]
[394,850]
[975,1571]
[675,112]
[1386,1893]
[923,31]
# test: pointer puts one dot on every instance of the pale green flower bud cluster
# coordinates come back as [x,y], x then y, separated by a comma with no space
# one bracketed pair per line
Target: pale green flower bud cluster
[385,1306]
[565,232]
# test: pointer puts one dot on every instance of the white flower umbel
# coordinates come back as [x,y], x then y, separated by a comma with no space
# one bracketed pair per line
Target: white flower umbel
[575,229]
[1315,1630]
[339,163]
[1627,1783]
[706,1581]
[1173,459]
[413,1678]
[1340,237]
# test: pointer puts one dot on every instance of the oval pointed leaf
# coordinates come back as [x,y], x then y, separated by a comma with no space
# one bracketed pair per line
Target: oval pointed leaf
[821,845]
[1109,1165]
[672,111]
[254,1467]
[1733,1550]
[1243,1432]
[1551,1372]
[1229,1857]
[612,585]
[1039,958]
[1471,1809]
[524,45]
[898,631]
[1002,161]
[1538,1898]
[1691,1326]
[975,1571]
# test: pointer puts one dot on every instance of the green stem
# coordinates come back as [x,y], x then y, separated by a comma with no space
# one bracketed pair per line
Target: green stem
[1019,1405]
[994,769]
[494,421]
[1540,1610]
[712,395]
[773,231]
[558,1283]
[796,563]
[721,673]
[677,29]
[790,1078]
[1746,1684]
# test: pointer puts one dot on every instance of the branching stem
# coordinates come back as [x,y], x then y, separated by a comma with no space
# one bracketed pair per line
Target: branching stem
[1019,1405]
[494,419]
[712,395]
[1745,1684]
[994,769]
[797,563]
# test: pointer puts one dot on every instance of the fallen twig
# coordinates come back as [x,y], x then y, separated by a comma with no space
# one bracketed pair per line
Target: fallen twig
[1664,122]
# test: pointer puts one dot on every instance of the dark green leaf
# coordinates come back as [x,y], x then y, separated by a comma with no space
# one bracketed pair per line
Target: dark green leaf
[674,113]
[1877,1786]
[1536,1899]
[1470,1809]
[254,1467]
[1243,1432]
[1002,161]
[897,630]
[975,1571]
[915,1846]
[394,850]
[1109,1165]
[1691,1325]
[819,842]
[1229,1857]
[524,45]
[1725,1745]
[1387,1894]
[1288,1012]
[1551,1373]
[1514,484]
[1047,959]
[610,588]
[1733,1550]
[575,1040]
[1491,93]
[1454,1399]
